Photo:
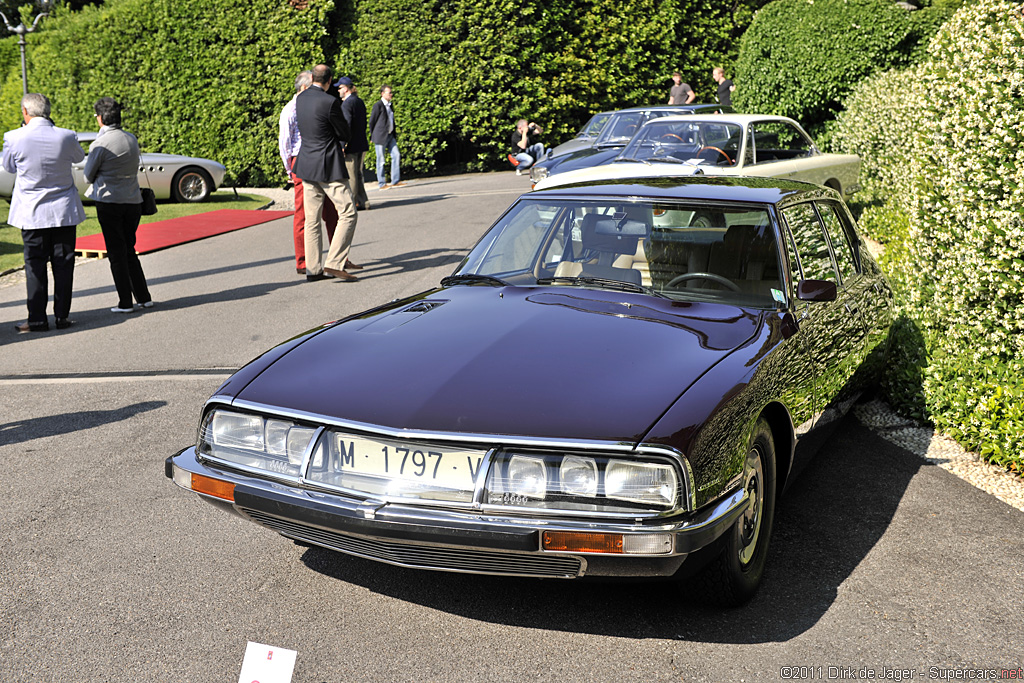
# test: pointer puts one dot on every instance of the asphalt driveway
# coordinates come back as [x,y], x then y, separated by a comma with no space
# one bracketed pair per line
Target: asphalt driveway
[880,562]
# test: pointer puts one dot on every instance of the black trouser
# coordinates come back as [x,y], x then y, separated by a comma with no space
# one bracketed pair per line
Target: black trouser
[119,223]
[55,246]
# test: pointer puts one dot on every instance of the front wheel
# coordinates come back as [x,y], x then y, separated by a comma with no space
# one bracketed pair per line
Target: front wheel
[733,576]
[191,184]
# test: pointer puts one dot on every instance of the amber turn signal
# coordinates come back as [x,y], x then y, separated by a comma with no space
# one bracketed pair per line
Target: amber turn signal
[581,542]
[213,487]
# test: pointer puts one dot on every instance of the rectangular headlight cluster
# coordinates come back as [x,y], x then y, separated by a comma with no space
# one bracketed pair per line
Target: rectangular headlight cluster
[582,482]
[272,444]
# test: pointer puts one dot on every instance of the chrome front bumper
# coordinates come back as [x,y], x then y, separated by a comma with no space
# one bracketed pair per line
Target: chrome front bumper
[425,537]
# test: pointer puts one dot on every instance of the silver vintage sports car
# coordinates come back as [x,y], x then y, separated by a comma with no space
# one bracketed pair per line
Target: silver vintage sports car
[170,176]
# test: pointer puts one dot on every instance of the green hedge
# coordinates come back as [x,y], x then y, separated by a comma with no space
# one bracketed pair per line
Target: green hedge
[209,77]
[801,58]
[463,71]
[199,77]
[946,191]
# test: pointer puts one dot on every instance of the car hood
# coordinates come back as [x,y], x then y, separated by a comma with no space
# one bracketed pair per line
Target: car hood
[546,362]
[581,158]
[623,169]
[158,158]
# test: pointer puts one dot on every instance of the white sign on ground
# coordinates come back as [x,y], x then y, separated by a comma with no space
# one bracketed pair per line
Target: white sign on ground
[267,664]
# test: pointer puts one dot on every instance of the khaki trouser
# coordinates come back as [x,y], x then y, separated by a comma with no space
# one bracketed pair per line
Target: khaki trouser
[313,194]
[354,164]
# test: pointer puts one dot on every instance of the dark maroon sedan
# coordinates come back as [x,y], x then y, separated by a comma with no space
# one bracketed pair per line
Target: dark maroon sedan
[618,380]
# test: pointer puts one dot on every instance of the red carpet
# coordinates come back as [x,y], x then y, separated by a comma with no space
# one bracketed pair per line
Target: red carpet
[163,234]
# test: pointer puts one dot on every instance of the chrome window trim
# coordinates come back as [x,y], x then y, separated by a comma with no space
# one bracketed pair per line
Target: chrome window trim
[688,496]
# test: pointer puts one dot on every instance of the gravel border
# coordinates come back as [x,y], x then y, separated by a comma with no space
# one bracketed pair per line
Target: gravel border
[940,450]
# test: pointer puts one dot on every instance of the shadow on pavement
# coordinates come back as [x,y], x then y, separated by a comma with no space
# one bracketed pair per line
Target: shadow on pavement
[819,539]
[152,282]
[53,425]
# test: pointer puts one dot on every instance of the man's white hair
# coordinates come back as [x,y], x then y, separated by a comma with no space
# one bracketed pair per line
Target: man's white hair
[36,104]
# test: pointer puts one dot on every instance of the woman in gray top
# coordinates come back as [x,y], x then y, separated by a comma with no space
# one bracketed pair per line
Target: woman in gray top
[113,170]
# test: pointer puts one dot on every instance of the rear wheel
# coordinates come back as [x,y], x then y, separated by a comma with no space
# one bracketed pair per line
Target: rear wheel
[191,184]
[733,576]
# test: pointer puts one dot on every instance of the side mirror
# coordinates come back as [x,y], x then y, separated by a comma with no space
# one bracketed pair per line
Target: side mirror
[816,290]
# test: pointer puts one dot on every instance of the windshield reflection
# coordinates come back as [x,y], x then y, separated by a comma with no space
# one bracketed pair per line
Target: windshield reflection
[673,141]
[683,251]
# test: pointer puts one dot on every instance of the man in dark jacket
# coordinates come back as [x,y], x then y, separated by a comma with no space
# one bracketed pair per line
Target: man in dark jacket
[321,165]
[384,137]
[354,111]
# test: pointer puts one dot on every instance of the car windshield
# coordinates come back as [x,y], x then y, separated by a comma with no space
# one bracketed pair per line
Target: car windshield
[684,250]
[594,125]
[621,126]
[705,142]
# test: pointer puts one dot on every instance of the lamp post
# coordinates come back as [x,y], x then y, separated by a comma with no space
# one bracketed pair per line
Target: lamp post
[22,31]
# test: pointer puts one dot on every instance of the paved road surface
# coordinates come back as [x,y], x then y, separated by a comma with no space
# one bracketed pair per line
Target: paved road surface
[110,573]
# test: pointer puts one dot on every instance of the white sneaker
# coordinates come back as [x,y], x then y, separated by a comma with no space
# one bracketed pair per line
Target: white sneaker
[117,309]
[148,304]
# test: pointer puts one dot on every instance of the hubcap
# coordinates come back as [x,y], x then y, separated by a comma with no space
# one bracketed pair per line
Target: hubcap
[750,523]
[192,186]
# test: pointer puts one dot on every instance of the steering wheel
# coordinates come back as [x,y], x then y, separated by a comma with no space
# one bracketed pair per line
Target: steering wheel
[720,279]
[727,157]
[671,135]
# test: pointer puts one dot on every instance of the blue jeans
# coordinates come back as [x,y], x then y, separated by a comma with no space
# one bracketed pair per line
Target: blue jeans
[527,157]
[392,148]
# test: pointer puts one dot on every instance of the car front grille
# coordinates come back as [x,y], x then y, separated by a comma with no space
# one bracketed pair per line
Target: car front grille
[419,556]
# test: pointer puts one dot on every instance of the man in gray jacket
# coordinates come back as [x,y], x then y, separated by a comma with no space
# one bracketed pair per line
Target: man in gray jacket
[46,206]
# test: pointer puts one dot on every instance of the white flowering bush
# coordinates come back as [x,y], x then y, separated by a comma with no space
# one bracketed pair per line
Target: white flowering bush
[943,150]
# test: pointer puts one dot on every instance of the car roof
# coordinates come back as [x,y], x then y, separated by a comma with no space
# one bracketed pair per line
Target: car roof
[670,107]
[741,119]
[715,188]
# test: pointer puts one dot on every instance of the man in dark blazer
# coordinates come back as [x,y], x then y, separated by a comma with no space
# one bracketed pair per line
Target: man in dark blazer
[321,165]
[354,111]
[384,137]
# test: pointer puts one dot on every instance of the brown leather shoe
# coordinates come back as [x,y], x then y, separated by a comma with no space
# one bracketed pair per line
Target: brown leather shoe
[341,274]
[300,271]
[26,327]
[351,266]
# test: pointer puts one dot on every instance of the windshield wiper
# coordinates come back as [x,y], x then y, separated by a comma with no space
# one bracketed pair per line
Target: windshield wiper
[632,159]
[472,279]
[604,282]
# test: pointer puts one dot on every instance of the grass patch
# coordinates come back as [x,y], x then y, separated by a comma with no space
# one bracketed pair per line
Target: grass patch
[11,249]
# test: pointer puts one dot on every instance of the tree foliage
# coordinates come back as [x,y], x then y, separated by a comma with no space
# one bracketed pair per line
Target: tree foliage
[800,58]
[208,77]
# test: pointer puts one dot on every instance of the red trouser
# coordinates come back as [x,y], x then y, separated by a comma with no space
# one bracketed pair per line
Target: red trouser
[330,216]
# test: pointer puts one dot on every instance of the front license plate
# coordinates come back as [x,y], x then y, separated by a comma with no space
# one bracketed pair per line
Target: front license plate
[450,468]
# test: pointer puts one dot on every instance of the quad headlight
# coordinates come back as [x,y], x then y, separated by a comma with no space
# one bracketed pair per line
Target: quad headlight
[582,482]
[270,444]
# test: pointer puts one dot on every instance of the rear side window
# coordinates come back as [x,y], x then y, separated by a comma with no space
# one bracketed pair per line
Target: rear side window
[842,241]
[811,243]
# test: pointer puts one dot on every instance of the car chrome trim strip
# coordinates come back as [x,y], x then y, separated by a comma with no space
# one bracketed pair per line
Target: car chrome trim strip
[455,559]
[425,435]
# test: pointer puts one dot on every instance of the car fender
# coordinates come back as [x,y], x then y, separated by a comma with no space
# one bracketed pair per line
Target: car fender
[710,422]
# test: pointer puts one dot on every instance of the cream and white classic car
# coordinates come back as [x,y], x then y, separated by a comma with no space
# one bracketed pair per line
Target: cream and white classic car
[726,145]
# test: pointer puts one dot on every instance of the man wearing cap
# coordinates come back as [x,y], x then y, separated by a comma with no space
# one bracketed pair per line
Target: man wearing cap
[46,206]
[321,165]
[354,111]
[288,143]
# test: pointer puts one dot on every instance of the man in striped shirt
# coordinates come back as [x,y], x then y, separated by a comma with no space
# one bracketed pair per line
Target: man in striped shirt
[288,143]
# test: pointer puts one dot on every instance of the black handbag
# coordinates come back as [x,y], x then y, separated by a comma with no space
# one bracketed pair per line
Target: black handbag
[148,201]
